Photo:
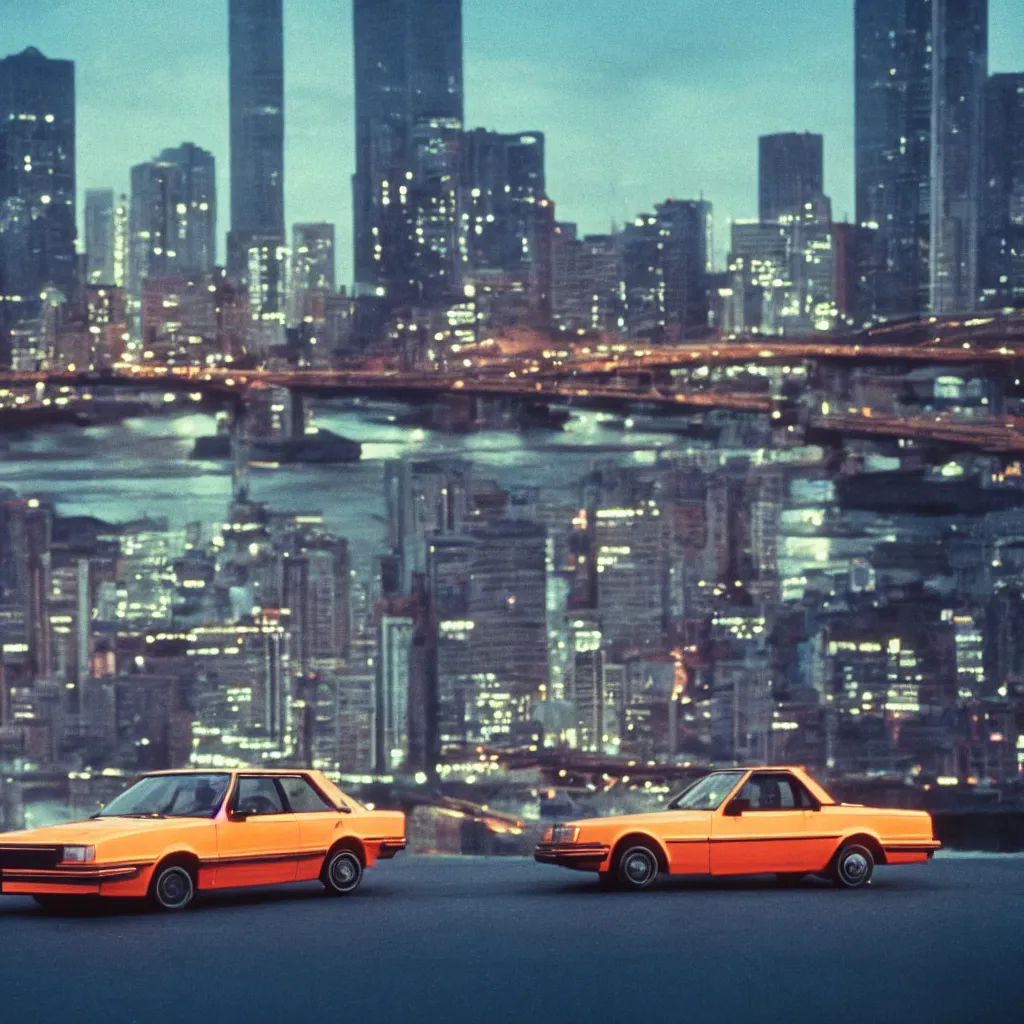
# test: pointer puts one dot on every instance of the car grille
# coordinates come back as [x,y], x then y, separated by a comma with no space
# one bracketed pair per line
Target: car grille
[32,858]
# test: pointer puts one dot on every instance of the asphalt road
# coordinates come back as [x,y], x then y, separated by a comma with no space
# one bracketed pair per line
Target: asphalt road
[453,940]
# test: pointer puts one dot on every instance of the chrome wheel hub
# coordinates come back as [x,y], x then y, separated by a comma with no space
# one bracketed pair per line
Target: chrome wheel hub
[855,867]
[638,867]
[174,888]
[344,871]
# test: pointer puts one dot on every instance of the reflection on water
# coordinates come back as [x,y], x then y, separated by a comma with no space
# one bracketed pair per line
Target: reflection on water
[143,467]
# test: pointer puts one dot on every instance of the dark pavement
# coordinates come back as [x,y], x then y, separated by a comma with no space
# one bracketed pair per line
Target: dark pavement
[453,940]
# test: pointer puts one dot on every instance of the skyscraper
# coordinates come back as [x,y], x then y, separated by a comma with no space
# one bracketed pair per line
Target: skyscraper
[312,264]
[961,70]
[894,57]
[173,216]
[409,117]
[1002,218]
[99,235]
[920,71]
[256,42]
[792,174]
[37,181]
[665,262]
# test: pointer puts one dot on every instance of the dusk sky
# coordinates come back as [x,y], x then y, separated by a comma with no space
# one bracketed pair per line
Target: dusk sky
[639,101]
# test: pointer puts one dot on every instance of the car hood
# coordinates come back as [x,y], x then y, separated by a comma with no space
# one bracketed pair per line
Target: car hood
[651,819]
[94,830]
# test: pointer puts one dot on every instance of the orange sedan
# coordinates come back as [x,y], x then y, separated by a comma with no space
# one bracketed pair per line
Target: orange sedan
[173,834]
[744,822]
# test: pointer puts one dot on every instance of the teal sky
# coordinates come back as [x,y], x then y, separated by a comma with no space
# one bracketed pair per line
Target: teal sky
[639,101]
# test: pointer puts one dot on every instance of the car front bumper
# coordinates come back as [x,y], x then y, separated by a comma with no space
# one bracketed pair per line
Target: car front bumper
[578,856]
[79,881]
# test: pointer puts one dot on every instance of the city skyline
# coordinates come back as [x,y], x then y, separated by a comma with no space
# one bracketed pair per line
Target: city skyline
[547,82]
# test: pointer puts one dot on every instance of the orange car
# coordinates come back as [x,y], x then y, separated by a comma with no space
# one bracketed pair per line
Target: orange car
[744,822]
[172,834]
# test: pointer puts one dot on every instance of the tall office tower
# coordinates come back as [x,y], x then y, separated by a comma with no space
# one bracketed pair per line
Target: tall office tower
[409,117]
[173,216]
[585,281]
[894,70]
[122,231]
[686,230]
[961,71]
[1002,218]
[666,257]
[37,182]
[631,545]
[488,591]
[504,234]
[920,73]
[395,637]
[312,265]
[99,236]
[256,42]
[857,274]
[424,500]
[792,174]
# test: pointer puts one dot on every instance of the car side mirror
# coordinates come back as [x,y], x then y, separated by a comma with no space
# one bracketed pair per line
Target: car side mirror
[238,816]
[734,808]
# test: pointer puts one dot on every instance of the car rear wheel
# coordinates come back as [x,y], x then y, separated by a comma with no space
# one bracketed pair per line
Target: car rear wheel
[342,873]
[637,867]
[853,866]
[172,889]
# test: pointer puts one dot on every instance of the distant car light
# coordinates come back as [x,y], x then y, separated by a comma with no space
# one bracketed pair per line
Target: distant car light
[79,854]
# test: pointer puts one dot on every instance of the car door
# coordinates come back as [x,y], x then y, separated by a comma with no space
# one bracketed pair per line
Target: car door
[258,842]
[771,831]
[686,835]
[318,823]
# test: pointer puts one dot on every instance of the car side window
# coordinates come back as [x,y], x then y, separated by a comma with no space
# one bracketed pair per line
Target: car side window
[775,792]
[258,795]
[302,797]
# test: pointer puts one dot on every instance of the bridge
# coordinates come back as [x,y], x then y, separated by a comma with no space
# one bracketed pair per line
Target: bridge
[632,375]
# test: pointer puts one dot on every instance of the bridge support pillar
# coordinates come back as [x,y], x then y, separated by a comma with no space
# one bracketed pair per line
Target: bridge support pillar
[240,450]
[296,414]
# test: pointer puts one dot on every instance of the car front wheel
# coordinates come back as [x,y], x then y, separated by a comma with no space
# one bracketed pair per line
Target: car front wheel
[342,873]
[173,888]
[637,868]
[853,867]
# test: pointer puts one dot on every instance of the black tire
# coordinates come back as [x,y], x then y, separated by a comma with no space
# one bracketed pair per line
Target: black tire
[853,866]
[342,872]
[637,866]
[173,887]
[791,877]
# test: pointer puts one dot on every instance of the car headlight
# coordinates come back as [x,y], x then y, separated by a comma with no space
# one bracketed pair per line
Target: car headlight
[79,854]
[564,834]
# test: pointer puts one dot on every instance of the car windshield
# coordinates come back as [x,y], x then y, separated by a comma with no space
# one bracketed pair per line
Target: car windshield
[708,793]
[170,796]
